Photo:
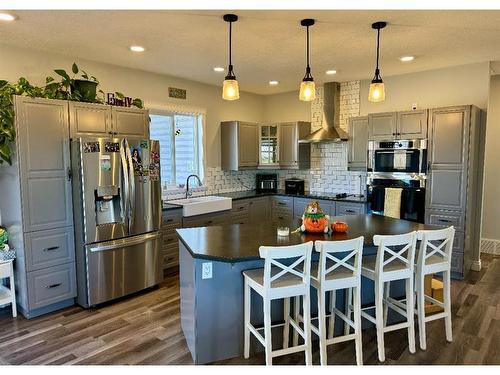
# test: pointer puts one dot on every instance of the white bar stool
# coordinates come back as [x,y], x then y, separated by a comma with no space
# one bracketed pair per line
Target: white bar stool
[331,273]
[434,256]
[8,295]
[394,261]
[276,281]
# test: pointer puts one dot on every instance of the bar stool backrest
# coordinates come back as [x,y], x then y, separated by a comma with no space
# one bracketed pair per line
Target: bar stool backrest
[395,252]
[348,262]
[274,257]
[435,243]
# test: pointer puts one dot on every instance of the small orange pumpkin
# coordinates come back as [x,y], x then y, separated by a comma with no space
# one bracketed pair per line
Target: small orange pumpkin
[340,226]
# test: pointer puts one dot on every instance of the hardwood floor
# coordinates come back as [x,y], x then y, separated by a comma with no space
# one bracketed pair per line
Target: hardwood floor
[145,329]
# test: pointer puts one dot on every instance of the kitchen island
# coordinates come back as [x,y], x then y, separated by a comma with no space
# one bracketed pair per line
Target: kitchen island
[212,260]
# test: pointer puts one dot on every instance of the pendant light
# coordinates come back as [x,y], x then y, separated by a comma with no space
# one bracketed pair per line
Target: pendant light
[307,87]
[230,89]
[377,89]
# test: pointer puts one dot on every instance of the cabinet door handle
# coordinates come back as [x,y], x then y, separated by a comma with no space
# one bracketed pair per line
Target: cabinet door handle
[445,221]
[69,174]
[53,286]
[209,222]
[282,203]
[52,248]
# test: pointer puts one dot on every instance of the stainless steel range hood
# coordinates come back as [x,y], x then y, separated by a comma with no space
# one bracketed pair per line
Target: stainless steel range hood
[330,128]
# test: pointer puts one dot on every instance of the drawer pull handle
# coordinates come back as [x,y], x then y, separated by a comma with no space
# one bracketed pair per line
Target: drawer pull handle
[53,286]
[350,211]
[282,203]
[445,220]
[209,222]
[51,248]
[170,220]
[280,217]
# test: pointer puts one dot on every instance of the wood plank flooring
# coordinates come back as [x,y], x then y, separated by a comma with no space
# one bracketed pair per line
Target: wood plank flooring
[145,329]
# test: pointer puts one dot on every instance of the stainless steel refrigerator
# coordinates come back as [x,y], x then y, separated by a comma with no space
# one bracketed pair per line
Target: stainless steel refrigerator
[117,212]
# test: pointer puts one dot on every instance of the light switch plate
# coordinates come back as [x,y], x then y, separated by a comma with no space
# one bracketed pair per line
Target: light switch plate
[206,270]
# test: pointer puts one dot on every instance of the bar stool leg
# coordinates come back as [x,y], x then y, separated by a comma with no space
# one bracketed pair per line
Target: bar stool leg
[307,327]
[247,319]
[421,311]
[331,325]
[296,312]
[379,318]
[286,327]
[410,313]
[447,305]
[387,291]
[322,326]
[348,310]
[357,324]
[13,291]
[267,331]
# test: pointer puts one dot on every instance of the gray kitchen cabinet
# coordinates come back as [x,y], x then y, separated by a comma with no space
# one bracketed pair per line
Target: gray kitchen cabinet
[349,208]
[239,145]
[358,143]
[260,210]
[412,124]
[453,190]
[382,126]
[206,220]
[89,119]
[37,202]
[171,220]
[130,122]
[240,212]
[292,154]
[268,146]
[282,210]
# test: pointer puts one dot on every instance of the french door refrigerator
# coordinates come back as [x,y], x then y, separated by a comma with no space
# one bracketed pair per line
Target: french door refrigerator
[117,212]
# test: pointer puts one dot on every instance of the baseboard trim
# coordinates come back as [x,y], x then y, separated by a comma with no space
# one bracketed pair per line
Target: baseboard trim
[490,246]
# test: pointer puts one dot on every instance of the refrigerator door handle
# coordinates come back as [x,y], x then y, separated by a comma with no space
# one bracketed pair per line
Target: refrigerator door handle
[132,185]
[126,183]
[124,242]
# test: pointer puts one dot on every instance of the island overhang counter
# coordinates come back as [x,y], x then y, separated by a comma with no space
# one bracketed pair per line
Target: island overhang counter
[211,262]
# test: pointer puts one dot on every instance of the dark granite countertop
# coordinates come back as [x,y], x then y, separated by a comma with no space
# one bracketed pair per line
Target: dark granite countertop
[254,194]
[237,243]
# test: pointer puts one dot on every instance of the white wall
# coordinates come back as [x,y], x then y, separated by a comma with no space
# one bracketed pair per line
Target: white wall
[458,85]
[152,88]
[286,107]
[491,192]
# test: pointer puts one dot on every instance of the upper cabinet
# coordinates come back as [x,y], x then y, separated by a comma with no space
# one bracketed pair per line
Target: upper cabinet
[397,125]
[89,119]
[239,145]
[268,145]
[358,143]
[294,155]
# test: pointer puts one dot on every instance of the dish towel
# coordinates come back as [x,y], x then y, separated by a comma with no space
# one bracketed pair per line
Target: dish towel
[392,204]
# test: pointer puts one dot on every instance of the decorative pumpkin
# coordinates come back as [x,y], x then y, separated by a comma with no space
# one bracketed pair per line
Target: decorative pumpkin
[340,227]
[314,220]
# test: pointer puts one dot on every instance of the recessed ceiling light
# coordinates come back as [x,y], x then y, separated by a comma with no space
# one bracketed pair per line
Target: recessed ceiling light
[7,17]
[407,58]
[331,72]
[218,69]
[137,48]
[273,83]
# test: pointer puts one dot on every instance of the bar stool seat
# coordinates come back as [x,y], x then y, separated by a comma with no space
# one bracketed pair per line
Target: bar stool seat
[256,280]
[368,266]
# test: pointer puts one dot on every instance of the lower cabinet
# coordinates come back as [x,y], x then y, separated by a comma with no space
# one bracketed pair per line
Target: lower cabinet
[349,208]
[260,210]
[171,220]
[282,210]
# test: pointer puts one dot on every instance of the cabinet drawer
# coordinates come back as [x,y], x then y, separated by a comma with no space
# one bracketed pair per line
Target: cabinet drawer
[51,285]
[286,202]
[343,208]
[171,219]
[205,220]
[170,259]
[169,239]
[444,219]
[240,219]
[240,207]
[49,248]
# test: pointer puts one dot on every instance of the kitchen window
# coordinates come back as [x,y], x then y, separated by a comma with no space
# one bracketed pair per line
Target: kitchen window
[181,146]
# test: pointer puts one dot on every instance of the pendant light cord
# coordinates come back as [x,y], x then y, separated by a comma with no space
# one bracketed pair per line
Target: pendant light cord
[230,40]
[378,47]
[307,43]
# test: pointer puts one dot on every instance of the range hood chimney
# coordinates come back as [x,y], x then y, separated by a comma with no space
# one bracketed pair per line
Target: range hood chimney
[330,127]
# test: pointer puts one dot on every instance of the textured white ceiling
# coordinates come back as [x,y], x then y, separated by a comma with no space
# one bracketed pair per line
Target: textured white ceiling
[267,45]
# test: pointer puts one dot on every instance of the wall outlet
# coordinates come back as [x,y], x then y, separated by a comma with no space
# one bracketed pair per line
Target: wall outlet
[414,106]
[206,270]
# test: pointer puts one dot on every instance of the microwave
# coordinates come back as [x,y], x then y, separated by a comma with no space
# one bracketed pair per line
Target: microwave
[398,156]
[266,182]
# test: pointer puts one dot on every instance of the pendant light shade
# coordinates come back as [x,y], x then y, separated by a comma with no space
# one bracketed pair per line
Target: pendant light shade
[376,92]
[307,87]
[230,90]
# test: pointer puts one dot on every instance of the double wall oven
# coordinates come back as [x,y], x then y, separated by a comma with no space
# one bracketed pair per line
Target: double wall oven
[398,164]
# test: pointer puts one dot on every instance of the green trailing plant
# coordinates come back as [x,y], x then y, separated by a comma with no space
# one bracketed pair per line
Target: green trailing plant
[80,87]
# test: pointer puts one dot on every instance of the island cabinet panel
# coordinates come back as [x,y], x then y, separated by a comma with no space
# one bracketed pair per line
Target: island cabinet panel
[382,126]
[412,124]
[89,119]
[358,143]
[171,220]
[130,122]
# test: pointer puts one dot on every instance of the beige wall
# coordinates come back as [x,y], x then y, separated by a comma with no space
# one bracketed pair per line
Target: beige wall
[286,107]
[152,88]
[491,192]
[458,85]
